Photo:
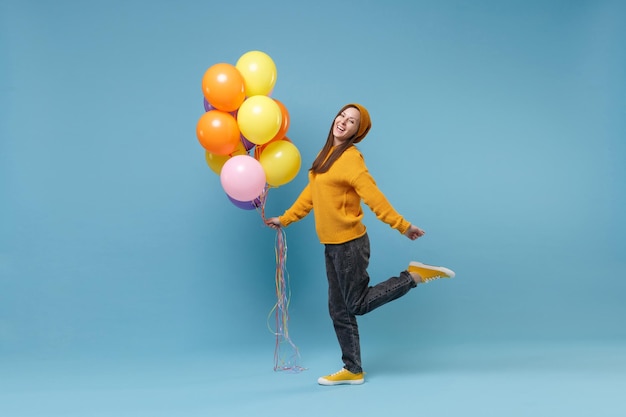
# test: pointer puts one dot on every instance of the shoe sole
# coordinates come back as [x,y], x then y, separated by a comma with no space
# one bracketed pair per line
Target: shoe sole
[450,273]
[328,383]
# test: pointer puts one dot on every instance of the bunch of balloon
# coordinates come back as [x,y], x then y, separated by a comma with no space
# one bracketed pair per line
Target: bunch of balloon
[243,132]
[243,129]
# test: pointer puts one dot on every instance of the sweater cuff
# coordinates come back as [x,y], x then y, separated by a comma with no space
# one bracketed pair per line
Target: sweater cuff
[284,221]
[404,226]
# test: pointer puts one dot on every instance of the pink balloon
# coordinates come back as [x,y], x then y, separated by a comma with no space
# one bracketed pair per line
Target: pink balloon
[243,178]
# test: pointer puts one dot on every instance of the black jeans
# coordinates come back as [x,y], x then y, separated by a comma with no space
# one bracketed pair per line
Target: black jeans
[350,295]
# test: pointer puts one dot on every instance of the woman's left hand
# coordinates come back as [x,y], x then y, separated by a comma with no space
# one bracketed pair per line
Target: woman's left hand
[413,232]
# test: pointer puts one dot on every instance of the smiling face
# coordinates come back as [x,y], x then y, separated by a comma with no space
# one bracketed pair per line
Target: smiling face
[346,125]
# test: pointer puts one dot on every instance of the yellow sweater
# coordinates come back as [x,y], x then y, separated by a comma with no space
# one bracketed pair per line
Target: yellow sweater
[335,198]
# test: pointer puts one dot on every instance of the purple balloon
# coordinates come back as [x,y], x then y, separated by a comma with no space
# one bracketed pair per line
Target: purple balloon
[207,106]
[246,143]
[245,205]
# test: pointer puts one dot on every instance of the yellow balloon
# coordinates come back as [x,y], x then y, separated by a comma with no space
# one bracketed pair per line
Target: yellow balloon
[259,119]
[281,162]
[258,71]
[216,162]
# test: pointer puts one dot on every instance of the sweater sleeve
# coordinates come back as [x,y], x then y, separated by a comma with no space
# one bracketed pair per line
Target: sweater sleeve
[366,188]
[300,208]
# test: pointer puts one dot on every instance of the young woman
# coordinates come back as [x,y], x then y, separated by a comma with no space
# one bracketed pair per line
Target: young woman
[338,182]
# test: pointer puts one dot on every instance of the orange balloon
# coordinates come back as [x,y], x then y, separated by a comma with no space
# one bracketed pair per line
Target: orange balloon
[223,87]
[218,132]
[282,131]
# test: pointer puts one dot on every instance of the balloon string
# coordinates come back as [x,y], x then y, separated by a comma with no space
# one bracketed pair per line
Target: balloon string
[280,311]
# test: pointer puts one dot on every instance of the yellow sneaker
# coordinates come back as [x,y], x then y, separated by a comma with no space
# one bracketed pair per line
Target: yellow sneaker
[342,377]
[429,272]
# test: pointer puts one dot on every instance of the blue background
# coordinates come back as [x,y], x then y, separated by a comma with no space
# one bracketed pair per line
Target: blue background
[498,127]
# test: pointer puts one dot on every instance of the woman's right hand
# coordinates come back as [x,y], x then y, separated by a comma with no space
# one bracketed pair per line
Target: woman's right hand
[273,222]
